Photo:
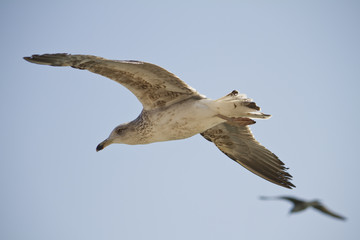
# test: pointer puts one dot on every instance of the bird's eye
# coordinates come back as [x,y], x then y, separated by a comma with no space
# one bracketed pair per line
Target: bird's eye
[119,130]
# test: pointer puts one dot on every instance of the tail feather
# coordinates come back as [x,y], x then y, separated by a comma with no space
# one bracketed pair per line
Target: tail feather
[240,106]
[251,105]
[258,115]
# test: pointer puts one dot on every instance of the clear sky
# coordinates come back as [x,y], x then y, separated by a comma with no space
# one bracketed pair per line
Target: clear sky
[299,61]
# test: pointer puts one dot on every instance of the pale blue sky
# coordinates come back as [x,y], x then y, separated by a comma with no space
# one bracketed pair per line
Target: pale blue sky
[299,60]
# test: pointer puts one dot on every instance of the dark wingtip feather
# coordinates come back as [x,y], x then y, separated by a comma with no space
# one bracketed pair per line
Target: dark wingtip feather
[29,59]
[56,59]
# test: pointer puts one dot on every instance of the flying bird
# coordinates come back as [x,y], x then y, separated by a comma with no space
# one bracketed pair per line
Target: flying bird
[173,110]
[301,205]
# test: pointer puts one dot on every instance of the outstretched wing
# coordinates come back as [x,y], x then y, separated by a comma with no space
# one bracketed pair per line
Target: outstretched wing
[323,209]
[298,205]
[238,143]
[152,85]
[291,199]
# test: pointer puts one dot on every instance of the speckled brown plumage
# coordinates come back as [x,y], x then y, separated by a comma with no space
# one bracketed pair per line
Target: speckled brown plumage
[173,110]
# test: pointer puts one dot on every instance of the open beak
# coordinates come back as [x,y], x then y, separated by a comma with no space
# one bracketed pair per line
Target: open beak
[103,145]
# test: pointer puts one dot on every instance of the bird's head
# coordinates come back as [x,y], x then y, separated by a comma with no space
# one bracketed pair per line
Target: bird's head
[121,134]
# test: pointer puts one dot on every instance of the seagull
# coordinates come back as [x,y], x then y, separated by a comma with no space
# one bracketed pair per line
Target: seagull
[301,205]
[173,110]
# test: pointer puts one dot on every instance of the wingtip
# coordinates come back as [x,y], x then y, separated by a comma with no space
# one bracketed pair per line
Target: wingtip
[56,59]
[286,178]
[32,59]
[290,185]
[27,59]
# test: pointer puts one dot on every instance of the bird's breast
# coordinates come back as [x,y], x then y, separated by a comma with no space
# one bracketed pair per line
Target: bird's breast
[182,120]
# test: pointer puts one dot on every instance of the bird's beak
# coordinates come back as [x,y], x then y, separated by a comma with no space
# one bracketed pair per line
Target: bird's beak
[103,145]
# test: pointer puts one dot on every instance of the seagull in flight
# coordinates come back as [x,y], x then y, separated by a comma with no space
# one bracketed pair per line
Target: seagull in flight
[301,205]
[173,110]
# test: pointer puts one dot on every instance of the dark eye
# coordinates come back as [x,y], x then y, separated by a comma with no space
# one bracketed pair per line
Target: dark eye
[119,130]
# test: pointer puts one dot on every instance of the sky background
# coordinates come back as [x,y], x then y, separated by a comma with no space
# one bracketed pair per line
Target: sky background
[299,61]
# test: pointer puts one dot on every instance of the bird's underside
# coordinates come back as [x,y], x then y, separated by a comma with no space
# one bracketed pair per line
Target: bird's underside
[158,89]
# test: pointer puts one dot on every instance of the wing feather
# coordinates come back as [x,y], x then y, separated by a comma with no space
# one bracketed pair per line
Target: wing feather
[154,86]
[323,209]
[239,144]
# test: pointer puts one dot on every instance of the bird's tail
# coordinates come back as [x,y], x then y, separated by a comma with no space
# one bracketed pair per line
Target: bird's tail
[238,105]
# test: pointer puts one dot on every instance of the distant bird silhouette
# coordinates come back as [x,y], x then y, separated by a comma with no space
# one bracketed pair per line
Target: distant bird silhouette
[300,205]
